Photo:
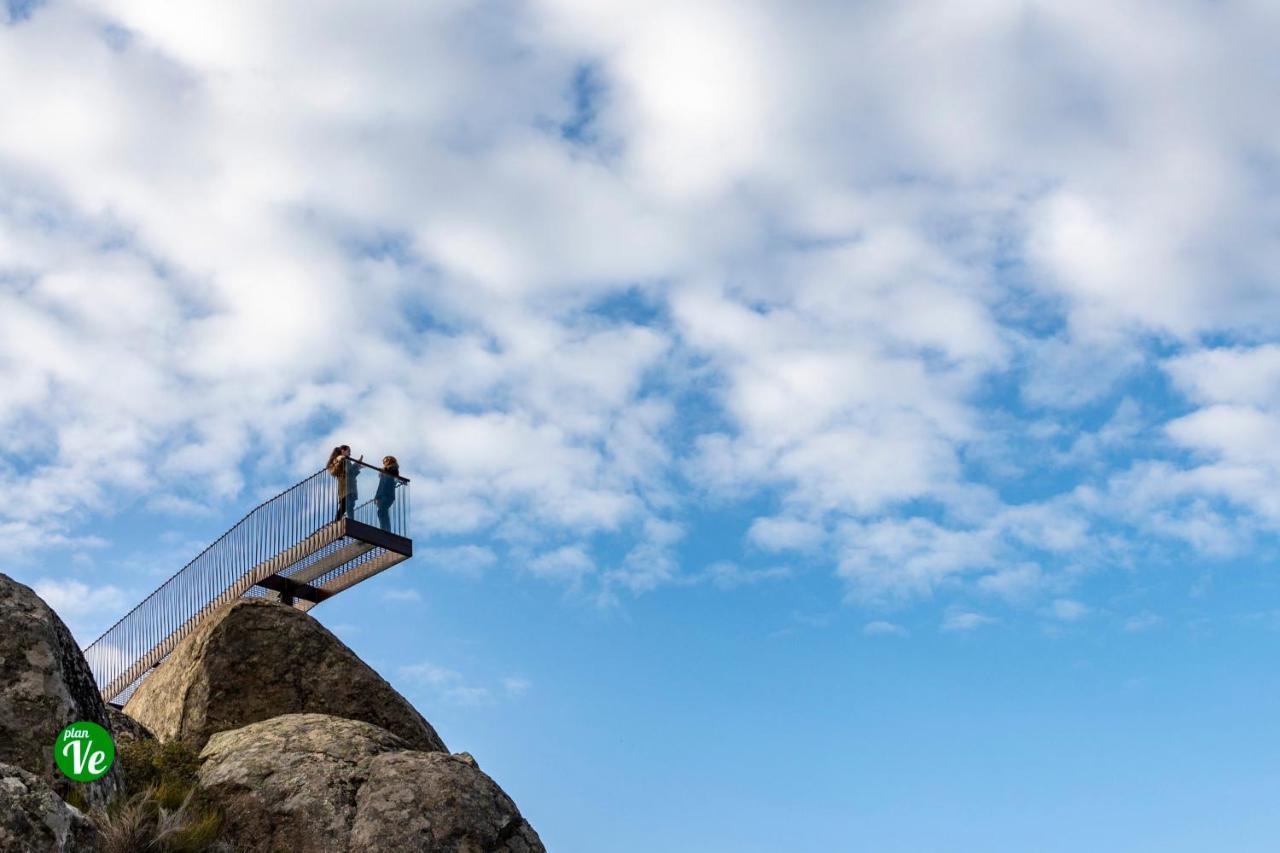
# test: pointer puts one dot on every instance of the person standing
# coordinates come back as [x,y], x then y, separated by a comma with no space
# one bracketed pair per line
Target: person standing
[345,471]
[386,494]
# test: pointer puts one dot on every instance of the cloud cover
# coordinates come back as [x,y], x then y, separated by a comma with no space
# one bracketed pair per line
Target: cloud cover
[906,275]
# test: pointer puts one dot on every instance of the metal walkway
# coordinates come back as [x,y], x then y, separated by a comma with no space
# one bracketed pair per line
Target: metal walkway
[290,548]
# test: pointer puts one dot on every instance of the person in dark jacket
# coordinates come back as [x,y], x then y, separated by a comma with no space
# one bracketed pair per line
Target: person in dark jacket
[386,494]
[345,471]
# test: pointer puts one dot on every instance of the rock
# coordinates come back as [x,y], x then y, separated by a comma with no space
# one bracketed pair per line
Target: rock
[125,728]
[255,660]
[312,783]
[430,801]
[289,783]
[45,684]
[34,819]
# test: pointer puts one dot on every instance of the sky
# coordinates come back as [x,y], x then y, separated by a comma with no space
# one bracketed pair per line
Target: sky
[832,425]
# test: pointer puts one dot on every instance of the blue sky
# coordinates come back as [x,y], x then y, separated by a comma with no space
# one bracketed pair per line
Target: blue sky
[837,426]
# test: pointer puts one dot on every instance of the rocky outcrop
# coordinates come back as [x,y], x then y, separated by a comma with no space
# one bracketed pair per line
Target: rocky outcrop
[34,819]
[45,685]
[256,660]
[312,783]
[306,748]
[125,728]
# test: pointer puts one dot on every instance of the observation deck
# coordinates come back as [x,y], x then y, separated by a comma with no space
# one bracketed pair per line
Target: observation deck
[300,547]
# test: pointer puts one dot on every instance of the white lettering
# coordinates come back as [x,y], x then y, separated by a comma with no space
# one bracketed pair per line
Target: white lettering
[78,758]
[95,760]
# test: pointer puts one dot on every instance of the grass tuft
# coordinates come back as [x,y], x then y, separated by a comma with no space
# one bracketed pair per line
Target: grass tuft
[160,811]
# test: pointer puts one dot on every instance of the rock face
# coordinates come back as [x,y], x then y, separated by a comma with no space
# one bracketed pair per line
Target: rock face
[33,819]
[126,728]
[256,660]
[312,783]
[437,802]
[45,684]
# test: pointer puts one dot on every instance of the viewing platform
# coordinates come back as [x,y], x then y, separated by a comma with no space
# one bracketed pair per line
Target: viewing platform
[300,547]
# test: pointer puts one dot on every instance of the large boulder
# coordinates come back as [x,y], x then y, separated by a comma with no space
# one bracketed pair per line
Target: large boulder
[34,819]
[312,783]
[257,659]
[125,728]
[45,684]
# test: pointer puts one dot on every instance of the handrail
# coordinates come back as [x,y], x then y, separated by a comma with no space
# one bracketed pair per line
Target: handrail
[206,550]
[376,468]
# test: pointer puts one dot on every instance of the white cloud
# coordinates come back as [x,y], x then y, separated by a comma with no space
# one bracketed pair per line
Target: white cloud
[781,534]
[1017,584]
[465,560]
[1231,432]
[1247,376]
[726,575]
[1068,610]
[569,564]
[1142,622]
[86,609]
[446,684]
[516,686]
[1119,434]
[451,686]
[651,562]
[175,505]
[965,620]
[880,628]
[73,599]
[897,559]
[429,673]
[1163,500]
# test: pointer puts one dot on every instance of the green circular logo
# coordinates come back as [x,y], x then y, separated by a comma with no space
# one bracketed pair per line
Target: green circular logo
[84,751]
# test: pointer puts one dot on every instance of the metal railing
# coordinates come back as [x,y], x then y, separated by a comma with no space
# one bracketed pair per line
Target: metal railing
[274,538]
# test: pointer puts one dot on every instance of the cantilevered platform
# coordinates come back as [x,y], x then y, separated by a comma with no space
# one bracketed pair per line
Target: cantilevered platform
[290,548]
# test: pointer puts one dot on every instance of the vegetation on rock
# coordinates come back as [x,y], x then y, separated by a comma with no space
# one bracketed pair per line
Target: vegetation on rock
[162,809]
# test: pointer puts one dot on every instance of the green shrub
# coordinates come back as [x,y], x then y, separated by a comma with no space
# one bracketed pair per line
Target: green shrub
[150,764]
[160,811]
[172,793]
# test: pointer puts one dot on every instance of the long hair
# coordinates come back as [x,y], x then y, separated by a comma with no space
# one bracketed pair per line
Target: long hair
[337,451]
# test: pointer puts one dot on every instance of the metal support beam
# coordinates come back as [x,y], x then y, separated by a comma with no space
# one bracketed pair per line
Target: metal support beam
[290,589]
[377,536]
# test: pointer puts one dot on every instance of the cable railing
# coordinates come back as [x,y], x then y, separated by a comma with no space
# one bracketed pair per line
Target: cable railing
[312,540]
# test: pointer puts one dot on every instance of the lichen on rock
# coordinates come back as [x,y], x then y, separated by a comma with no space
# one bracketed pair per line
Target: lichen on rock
[34,819]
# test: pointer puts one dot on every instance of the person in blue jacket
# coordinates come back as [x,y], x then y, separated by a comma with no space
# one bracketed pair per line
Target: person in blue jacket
[386,494]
